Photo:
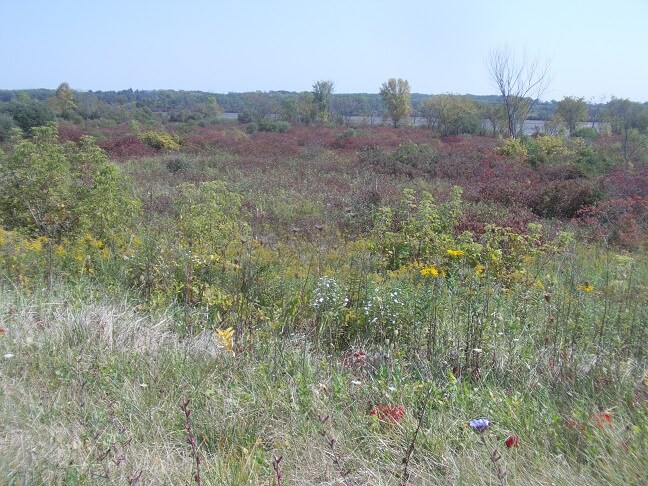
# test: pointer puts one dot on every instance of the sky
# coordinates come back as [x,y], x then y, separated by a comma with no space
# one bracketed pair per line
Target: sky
[596,49]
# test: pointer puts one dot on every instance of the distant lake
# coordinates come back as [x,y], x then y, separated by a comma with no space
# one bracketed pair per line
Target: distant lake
[531,127]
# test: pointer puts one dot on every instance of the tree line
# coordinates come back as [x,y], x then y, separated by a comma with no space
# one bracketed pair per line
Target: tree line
[520,84]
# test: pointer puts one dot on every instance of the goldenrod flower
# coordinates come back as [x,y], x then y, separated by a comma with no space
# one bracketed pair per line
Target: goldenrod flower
[430,271]
[36,244]
[225,338]
[455,253]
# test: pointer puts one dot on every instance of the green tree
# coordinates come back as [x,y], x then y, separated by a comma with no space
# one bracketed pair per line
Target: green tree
[322,91]
[345,106]
[257,106]
[571,111]
[58,190]
[395,94]
[52,189]
[495,115]
[305,108]
[629,120]
[63,101]
[7,124]
[451,114]
[29,113]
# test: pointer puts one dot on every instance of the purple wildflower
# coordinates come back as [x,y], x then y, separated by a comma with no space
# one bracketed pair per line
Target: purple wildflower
[479,425]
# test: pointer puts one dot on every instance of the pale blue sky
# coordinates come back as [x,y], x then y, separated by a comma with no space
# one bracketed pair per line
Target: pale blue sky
[596,48]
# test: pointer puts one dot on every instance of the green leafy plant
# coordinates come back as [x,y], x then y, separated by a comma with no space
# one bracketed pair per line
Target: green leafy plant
[160,140]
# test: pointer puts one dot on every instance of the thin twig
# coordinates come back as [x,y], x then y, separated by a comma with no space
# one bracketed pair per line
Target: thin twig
[191,440]
[275,465]
[410,448]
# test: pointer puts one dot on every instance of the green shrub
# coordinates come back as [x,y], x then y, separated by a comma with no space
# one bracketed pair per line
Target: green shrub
[160,140]
[409,158]
[29,114]
[347,134]
[420,156]
[7,124]
[563,198]
[588,133]
[514,149]
[274,126]
[177,164]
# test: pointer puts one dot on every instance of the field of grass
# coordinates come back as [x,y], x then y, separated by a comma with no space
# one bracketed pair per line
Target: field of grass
[325,306]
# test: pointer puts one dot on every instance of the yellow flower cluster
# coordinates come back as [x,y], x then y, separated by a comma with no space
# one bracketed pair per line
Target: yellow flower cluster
[431,271]
[225,338]
[586,287]
[36,244]
[455,253]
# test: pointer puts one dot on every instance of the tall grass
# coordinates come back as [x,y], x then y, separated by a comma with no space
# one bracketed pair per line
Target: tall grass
[92,390]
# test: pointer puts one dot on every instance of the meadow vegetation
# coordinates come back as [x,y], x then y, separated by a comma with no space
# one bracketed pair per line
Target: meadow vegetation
[322,305]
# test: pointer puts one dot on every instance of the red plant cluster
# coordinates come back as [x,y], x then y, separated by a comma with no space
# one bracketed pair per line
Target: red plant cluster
[621,183]
[388,413]
[512,441]
[598,419]
[574,424]
[601,419]
[235,141]
[614,206]
[126,146]
[70,133]
[354,359]
[620,221]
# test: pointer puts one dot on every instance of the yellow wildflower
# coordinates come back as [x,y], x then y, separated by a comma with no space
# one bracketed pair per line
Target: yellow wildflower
[455,253]
[36,244]
[430,271]
[225,338]
[586,287]
[479,269]
[92,242]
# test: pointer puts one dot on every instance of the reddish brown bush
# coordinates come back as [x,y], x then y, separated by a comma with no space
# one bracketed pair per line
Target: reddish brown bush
[622,183]
[71,133]
[564,198]
[620,221]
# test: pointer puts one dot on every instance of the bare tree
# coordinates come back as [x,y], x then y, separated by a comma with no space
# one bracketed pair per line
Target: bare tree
[521,84]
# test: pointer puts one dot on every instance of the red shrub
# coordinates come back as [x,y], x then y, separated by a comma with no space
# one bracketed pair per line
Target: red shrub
[621,221]
[126,146]
[71,133]
[388,413]
[622,183]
